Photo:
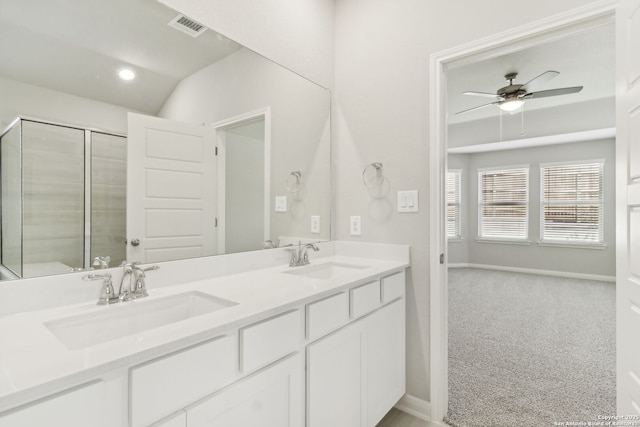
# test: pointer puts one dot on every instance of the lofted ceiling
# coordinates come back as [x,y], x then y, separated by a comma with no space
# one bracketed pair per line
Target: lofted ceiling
[77,47]
[583,59]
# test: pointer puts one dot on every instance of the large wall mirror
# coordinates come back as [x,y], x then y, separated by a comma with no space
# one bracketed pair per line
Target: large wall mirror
[199,147]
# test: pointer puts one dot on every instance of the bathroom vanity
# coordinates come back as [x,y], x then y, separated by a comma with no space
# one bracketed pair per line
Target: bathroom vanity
[320,345]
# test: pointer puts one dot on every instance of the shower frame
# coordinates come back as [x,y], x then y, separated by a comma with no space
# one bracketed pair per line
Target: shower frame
[7,273]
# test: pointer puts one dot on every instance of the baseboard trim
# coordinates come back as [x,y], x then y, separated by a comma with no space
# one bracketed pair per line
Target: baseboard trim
[567,274]
[415,406]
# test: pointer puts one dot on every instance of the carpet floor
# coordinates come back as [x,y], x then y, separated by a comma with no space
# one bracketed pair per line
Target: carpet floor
[528,350]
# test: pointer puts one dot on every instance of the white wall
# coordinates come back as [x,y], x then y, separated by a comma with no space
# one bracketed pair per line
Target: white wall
[381,113]
[20,99]
[299,128]
[297,34]
[575,118]
[533,256]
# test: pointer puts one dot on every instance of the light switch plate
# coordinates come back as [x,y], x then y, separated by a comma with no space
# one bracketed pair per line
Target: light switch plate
[355,226]
[408,201]
[315,223]
[281,203]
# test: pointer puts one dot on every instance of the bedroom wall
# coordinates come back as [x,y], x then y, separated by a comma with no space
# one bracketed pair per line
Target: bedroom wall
[593,261]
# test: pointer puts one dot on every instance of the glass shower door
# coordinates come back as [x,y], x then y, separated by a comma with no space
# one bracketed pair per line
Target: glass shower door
[108,197]
[54,198]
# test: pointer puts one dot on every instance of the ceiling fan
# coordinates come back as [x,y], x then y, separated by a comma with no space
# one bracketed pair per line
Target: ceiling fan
[510,98]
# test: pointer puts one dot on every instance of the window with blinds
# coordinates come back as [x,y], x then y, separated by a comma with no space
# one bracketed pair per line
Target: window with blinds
[453,204]
[503,204]
[572,204]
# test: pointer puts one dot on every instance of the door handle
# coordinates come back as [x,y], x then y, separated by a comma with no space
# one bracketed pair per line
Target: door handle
[135,242]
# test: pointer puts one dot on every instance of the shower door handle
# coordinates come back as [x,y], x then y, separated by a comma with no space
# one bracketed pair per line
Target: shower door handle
[135,242]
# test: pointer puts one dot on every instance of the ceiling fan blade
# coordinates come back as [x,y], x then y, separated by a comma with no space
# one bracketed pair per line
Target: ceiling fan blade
[485,94]
[552,92]
[478,107]
[538,80]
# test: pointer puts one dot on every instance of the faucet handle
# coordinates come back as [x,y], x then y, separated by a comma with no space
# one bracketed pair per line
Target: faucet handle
[293,257]
[107,294]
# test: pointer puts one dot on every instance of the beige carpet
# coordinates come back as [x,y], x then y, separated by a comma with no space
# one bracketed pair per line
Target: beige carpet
[528,350]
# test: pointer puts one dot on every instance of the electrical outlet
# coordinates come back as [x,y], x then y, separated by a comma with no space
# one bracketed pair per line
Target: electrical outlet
[355,225]
[315,224]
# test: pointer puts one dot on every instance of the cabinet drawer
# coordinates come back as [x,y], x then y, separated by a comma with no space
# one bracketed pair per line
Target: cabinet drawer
[365,299]
[326,315]
[269,340]
[80,407]
[163,386]
[393,287]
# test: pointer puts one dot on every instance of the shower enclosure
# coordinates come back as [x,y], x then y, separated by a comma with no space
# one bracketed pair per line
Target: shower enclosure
[63,196]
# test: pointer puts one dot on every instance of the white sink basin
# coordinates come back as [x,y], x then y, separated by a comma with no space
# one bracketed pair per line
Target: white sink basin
[130,318]
[326,271]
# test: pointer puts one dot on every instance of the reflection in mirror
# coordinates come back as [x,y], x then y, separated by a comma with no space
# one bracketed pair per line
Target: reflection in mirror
[200,168]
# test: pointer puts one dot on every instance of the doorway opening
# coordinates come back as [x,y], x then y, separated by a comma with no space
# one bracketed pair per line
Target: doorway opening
[501,44]
[244,186]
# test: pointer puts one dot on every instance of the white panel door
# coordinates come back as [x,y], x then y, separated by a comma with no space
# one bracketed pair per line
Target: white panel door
[171,190]
[628,206]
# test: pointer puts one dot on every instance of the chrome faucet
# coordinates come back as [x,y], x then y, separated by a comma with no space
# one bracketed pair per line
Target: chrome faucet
[101,262]
[137,277]
[300,256]
[269,244]
[125,292]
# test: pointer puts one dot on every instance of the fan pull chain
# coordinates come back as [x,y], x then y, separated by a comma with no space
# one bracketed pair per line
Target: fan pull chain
[522,121]
[500,125]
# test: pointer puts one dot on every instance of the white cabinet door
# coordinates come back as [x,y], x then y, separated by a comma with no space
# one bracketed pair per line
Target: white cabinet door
[357,374]
[386,375]
[335,379]
[273,397]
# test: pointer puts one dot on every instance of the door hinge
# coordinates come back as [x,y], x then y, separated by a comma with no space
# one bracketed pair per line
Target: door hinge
[216,151]
[215,222]
[441,258]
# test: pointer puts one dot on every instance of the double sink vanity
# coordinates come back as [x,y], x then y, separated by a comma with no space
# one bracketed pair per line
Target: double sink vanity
[268,345]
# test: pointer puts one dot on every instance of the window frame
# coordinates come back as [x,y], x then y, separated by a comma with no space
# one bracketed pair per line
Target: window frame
[458,202]
[543,203]
[504,239]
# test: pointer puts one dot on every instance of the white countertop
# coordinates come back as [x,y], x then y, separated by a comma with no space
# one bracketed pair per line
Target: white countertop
[33,362]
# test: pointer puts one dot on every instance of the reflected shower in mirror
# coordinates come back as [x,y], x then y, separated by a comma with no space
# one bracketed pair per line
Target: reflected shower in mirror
[73,170]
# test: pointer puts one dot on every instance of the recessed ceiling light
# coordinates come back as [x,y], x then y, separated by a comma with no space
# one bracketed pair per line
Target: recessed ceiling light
[126,74]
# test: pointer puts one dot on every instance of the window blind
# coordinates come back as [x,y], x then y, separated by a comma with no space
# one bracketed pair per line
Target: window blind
[503,203]
[572,203]
[453,204]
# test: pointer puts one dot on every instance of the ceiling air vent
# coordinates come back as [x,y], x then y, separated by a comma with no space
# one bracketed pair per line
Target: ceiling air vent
[187,26]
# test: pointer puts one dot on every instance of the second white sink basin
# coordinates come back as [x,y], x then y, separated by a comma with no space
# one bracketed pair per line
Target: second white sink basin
[133,317]
[326,271]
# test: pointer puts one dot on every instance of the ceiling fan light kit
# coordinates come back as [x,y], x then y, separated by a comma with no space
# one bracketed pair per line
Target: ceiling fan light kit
[512,97]
[511,105]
